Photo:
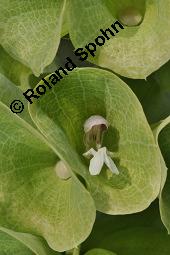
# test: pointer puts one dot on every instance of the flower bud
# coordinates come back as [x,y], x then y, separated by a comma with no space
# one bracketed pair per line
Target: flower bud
[130,16]
[94,128]
[62,171]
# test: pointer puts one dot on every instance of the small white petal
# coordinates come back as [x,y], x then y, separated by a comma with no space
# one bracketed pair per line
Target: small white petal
[110,164]
[96,163]
[89,153]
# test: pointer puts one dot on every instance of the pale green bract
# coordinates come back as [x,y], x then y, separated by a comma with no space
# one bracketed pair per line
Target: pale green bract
[12,243]
[134,52]
[10,92]
[157,128]
[161,133]
[60,115]
[32,197]
[11,246]
[17,73]
[163,130]
[31,31]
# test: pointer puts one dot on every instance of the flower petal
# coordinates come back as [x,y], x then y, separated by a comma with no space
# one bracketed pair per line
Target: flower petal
[89,153]
[110,164]
[96,163]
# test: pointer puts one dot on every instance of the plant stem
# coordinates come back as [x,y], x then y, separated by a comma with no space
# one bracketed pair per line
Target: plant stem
[75,251]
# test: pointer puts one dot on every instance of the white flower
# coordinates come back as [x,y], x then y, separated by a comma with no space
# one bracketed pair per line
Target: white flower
[94,128]
[99,158]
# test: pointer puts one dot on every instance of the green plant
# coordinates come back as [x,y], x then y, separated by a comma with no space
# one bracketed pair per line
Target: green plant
[55,195]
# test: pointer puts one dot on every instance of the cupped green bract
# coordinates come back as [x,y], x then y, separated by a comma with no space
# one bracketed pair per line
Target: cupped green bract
[11,246]
[60,115]
[9,92]
[31,31]
[16,72]
[134,52]
[164,142]
[32,197]
[12,243]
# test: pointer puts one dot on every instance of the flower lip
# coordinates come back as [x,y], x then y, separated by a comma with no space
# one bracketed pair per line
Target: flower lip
[94,120]
[99,158]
